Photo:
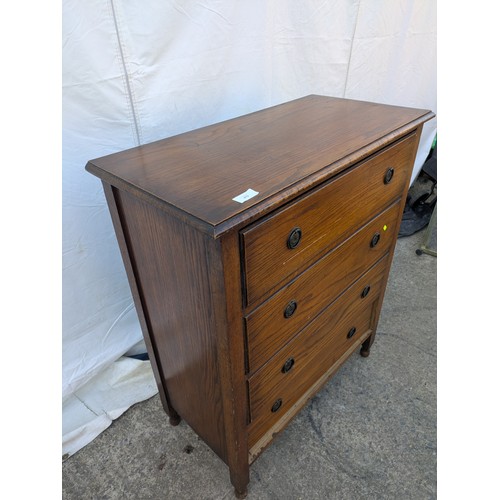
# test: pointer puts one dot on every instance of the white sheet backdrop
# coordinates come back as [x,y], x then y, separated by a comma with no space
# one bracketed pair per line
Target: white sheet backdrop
[134,72]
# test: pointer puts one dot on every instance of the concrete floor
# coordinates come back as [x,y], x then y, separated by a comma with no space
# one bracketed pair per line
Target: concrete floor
[370,433]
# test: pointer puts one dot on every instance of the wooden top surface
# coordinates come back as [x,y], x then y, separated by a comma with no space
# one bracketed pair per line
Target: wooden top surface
[278,152]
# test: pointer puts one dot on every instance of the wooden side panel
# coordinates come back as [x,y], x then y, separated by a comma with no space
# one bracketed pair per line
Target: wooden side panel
[174,280]
[110,194]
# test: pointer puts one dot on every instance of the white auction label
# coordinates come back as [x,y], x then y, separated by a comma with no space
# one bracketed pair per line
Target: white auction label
[249,193]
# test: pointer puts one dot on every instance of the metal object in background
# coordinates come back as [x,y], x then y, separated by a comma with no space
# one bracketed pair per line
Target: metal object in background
[424,248]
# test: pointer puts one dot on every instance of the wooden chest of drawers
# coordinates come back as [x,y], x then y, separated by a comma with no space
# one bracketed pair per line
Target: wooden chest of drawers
[258,251]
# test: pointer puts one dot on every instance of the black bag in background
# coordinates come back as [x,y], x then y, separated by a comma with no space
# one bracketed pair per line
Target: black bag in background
[422,197]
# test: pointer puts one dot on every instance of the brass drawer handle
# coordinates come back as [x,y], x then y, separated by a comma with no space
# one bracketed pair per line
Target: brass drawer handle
[366,291]
[277,405]
[290,308]
[351,333]
[375,240]
[288,365]
[388,175]
[294,238]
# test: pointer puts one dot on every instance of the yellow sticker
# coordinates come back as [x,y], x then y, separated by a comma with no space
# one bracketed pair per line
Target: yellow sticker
[385,228]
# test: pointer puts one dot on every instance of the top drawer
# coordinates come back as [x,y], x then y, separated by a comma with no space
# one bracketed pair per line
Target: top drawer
[280,246]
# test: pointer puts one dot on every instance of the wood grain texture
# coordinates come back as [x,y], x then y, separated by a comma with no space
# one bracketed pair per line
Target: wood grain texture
[326,216]
[225,268]
[266,439]
[267,327]
[131,271]
[211,277]
[272,151]
[174,279]
[315,349]
[368,343]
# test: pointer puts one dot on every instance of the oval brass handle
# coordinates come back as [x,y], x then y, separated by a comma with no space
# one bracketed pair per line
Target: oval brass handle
[276,406]
[388,175]
[375,240]
[288,365]
[366,291]
[290,308]
[351,333]
[294,238]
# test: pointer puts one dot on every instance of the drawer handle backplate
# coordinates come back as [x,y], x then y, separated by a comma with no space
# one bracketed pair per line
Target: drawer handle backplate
[351,333]
[288,365]
[290,308]
[388,175]
[375,240]
[294,238]
[277,405]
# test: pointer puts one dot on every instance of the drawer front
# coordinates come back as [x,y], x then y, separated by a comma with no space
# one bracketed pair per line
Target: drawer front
[279,247]
[274,322]
[313,351]
[269,403]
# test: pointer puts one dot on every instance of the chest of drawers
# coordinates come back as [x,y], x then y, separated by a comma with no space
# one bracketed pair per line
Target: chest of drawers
[257,251]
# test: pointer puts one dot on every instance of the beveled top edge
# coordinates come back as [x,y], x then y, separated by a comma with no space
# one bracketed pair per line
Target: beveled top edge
[280,198]
[225,220]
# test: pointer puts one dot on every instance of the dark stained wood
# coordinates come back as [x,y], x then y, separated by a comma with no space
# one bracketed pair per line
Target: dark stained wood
[170,258]
[174,420]
[299,379]
[365,348]
[224,265]
[314,350]
[268,329]
[109,192]
[193,257]
[267,438]
[326,216]
[365,351]
[271,151]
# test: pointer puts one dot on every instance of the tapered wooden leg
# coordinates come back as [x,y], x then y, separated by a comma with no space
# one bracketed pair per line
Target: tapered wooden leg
[365,347]
[240,480]
[239,494]
[173,417]
[174,420]
[231,356]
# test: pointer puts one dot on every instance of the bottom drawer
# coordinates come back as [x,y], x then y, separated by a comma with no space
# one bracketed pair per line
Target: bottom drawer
[291,371]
